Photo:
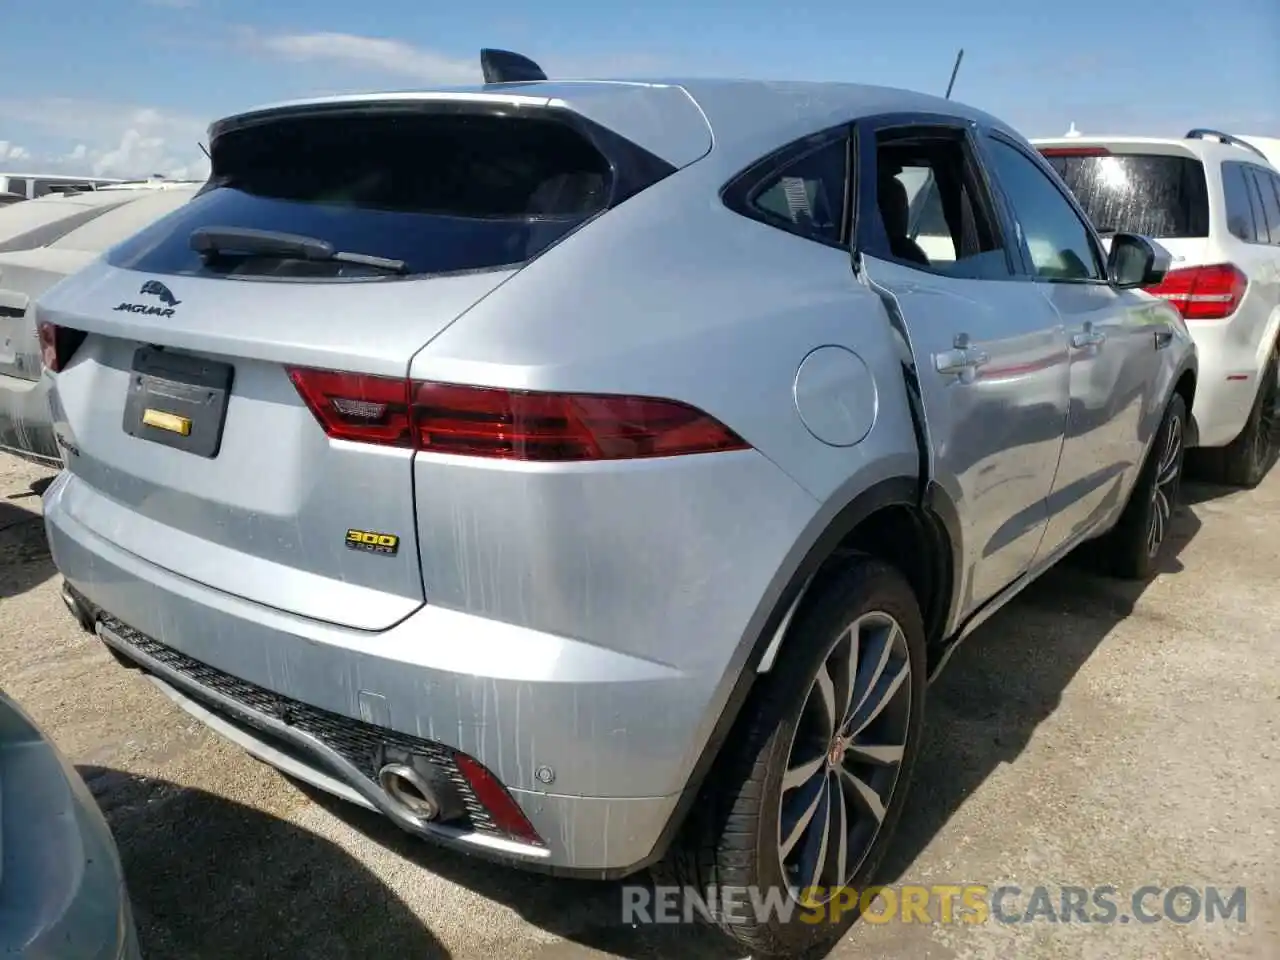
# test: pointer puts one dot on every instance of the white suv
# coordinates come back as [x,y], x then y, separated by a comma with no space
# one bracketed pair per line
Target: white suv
[1213,200]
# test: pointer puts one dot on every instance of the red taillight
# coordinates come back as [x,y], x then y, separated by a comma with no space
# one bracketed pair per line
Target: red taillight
[57,344]
[507,815]
[519,425]
[507,424]
[1075,152]
[49,346]
[353,406]
[1204,293]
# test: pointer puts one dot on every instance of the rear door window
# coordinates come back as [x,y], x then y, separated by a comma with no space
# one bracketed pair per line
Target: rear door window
[1241,203]
[1149,194]
[442,192]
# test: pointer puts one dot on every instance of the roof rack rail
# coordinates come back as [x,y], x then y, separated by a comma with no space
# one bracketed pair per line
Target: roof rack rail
[504,66]
[1201,132]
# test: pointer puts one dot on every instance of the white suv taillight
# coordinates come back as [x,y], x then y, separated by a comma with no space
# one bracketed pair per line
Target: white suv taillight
[1204,293]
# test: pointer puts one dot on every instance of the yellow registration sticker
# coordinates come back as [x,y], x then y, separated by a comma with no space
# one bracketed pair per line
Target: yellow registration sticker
[167,421]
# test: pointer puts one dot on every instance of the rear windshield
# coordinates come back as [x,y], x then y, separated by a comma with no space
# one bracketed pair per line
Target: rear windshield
[1156,196]
[440,192]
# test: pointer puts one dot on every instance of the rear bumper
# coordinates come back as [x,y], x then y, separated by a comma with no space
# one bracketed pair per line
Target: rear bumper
[1227,384]
[26,424]
[315,699]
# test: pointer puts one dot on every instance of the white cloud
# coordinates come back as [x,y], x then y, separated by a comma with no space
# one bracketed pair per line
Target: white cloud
[105,139]
[396,58]
[371,53]
[12,151]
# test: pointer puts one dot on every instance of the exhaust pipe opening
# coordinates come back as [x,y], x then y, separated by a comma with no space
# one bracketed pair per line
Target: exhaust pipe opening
[409,791]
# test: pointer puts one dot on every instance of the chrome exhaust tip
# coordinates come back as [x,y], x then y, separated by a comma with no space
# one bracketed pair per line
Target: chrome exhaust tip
[409,791]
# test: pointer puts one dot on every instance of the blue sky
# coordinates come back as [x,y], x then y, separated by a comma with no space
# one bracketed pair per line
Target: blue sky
[127,87]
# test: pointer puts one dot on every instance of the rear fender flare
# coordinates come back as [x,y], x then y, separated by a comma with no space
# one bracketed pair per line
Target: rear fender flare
[767,630]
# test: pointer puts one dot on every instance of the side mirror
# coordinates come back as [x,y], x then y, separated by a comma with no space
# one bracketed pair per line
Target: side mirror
[1136,261]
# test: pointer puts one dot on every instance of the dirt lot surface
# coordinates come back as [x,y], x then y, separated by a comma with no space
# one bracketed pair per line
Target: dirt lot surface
[1093,733]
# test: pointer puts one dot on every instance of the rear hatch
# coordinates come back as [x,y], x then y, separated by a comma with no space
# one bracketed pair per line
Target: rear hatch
[44,252]
[183,374]
[1152,188]
[25,273]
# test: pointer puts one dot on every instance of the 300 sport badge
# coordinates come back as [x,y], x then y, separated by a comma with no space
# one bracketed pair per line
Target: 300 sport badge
[370,542]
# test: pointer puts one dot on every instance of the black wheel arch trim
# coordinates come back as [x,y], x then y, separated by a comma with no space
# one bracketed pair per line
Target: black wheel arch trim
[1192,436]
[793,578]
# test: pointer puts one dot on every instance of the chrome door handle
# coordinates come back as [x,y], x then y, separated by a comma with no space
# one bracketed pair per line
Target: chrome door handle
[1088,337]
[960,360]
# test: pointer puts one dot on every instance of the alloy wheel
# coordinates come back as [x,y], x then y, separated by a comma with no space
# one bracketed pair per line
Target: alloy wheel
[1165,489]
[845,758]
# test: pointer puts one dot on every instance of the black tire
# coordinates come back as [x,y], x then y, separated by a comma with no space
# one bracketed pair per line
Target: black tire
[732,838]
[1245,461]
[1132,549]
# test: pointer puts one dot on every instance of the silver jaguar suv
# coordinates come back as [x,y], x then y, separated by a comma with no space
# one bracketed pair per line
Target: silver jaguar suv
[592,474]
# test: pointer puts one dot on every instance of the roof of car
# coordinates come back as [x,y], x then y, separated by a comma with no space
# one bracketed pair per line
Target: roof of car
[745,113]
[1205,149]
[18,218]
[61,177]
[127,212]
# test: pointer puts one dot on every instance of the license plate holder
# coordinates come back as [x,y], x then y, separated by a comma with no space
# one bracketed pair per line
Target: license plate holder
[178,400]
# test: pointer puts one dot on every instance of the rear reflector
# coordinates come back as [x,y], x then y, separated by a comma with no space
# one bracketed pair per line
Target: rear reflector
[1075,152]
[1204,293]
[506,813]
[507,424]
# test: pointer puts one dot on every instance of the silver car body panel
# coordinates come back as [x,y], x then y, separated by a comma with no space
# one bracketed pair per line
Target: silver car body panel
[582,629]
[62,892]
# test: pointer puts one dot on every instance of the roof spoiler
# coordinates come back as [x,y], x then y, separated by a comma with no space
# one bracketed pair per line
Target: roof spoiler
[1200,133]
[504,66]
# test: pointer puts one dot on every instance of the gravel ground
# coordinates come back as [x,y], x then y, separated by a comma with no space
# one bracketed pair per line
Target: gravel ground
[1093,733]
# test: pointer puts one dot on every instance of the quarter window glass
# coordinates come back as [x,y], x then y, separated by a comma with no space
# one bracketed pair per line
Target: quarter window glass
[1270,219]
[1240,213]
[1058,240]
[807,196]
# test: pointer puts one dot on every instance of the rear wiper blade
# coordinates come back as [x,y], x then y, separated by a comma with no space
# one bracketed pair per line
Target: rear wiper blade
[248,242]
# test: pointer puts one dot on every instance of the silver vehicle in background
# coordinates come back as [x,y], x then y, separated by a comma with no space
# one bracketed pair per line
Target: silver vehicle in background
[591,474]
[32,186]
[42,242]
[62,890]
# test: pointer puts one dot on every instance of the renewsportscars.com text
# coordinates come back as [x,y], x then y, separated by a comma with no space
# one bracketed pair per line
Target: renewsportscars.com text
[940,903]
